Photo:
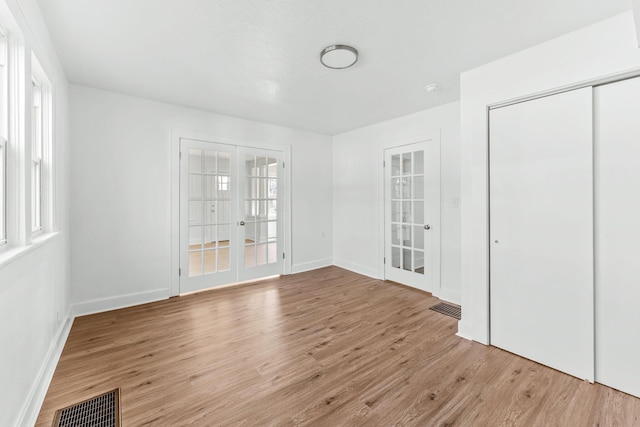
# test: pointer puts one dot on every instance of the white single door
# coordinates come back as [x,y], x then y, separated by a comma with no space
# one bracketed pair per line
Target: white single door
[412,215]
[260,219]
[541,228]
[208,200]
[617,216]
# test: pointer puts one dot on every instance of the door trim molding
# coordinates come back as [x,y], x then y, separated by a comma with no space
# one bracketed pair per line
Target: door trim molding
[176,135]
[421,137]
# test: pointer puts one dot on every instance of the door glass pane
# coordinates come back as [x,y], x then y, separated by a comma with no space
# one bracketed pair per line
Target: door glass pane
[250,166]
[273,168]
[272,211]
[210,238]
[406,259]
[261,232]
[418,162]
[262,166]
[210,261]
[250,256]
[195,161]
[418,212]
[418,237]
[396,211]
[209,212]
[273,253]
[224,212]
[223,259]
[261,254]
[223,235]
[195,237]
[395,257]
[396,188]
[195,187]
[250,232]
[209,161]
[406,212]
[223,163]
[195,263]
[272,231]
[223,187]
[406,235]
[406,164]
[406,188]
[418,184]
[195,213]
[210,187]
[395,165]
[395,234]
[418,262]
[272,188]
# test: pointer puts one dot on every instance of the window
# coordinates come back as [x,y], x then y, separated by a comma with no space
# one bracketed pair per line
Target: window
[36,157]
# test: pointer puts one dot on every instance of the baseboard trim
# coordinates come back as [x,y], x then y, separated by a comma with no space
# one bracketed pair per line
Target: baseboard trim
[33,403]
[449,296]
[122,301]
[313,265]
[463,330]
[357,268]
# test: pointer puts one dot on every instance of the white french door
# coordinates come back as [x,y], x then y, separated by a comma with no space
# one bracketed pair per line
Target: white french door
[412,215]
[230,229]
[261,198]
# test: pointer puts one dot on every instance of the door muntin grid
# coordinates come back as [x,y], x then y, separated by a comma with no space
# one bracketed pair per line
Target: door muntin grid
[209,211]
[407,211]
[260,210]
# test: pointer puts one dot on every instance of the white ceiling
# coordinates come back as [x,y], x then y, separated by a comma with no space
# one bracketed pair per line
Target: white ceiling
[259,59]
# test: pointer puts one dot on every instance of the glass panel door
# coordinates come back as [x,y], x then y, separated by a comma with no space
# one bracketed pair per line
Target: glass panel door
[261,224]
[411,216]
[207,215]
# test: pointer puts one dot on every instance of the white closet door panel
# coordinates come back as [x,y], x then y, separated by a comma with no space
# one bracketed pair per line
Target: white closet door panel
[541,190]
[617,179]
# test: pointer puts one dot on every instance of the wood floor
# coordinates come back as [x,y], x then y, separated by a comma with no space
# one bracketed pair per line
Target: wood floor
[323,348]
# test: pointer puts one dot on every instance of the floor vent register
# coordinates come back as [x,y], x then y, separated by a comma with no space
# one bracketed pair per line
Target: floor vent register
[99,411]
[449,309]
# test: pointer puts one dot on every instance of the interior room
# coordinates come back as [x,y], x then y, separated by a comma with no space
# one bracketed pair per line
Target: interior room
[414,213]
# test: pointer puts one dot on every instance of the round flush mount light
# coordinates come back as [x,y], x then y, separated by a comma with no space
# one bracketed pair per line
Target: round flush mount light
[433,87]
[338,56]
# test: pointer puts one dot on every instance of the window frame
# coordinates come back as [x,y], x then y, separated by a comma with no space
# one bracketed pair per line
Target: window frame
[4,140]
[41,139]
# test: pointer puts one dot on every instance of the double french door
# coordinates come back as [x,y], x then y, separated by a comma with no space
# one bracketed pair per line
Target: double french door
[230,226]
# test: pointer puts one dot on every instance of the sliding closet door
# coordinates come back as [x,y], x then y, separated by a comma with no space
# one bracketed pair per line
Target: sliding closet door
[541,220]
[617,179]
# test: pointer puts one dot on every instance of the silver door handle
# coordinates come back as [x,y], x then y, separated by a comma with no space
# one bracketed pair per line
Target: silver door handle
[427,227]
[241,222]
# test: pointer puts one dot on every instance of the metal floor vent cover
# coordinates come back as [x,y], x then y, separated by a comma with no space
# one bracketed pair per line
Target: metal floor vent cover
[99,411]
[448,309]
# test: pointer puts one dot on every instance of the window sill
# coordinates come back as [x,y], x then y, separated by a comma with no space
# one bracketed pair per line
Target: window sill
[9,255]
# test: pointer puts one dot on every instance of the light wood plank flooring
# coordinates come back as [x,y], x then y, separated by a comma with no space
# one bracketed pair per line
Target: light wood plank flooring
[323,348]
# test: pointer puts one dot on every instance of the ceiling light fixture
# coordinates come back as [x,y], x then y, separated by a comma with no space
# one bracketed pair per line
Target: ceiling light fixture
[432,87]
[338,56]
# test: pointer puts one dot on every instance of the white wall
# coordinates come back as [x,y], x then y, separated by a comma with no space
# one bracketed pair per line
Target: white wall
[35,288]
[602,49]
[121,193]
[357,168]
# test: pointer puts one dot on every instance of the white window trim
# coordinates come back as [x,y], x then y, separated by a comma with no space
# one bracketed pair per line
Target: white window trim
[15,137]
